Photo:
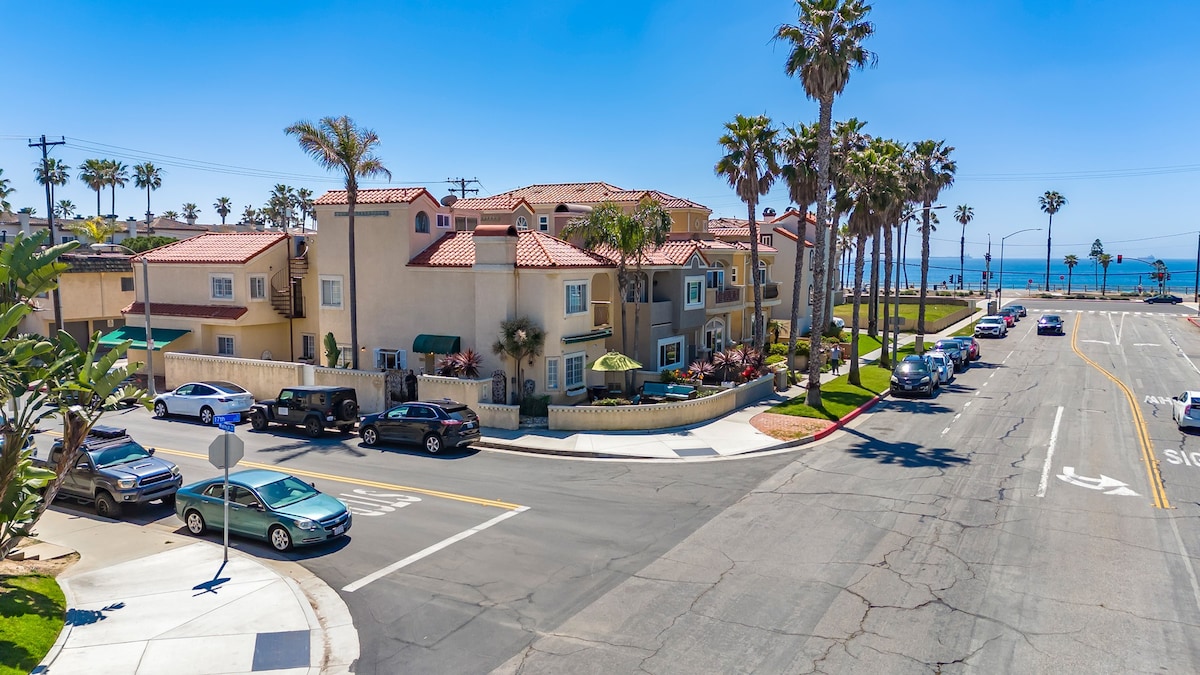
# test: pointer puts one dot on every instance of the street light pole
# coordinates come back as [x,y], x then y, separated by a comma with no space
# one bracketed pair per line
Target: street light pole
[1000,286]
[150,388]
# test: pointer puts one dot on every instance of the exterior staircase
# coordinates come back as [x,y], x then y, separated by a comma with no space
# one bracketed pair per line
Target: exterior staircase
[285,286]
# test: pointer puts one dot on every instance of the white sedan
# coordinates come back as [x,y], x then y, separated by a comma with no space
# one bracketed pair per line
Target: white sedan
[1185,409]
[205,400]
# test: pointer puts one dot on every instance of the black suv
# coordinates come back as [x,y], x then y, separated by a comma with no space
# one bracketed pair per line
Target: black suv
[432,424]
[314,408]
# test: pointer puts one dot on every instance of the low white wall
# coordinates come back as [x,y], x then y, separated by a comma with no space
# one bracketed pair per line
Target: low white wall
[498,416]
[371,387]
[432,387]
[658,415]
[264,379]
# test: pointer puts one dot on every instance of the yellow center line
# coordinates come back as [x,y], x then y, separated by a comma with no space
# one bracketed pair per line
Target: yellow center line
[346,479]
[1157,488]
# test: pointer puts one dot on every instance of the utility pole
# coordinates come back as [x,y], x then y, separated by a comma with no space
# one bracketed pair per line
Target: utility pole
[987,267]
[45,146]
[462,184]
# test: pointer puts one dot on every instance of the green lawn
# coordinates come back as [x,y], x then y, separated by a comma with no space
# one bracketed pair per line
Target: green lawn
[967,331]
[32,608]
[933,312]
[839,397]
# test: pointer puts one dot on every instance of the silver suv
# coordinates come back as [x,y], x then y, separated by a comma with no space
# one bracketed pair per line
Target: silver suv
[992,325]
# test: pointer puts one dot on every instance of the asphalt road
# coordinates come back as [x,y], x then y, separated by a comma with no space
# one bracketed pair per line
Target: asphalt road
[945,535]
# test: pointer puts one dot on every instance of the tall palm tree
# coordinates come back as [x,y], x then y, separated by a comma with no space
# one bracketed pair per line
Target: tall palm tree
[934,172]
[116,175]
[848,137]
[52,172]
[652,224]
[826,44]
[798,149]
[963,214]
[1051,203]
[92,174]
[95,229]
[170,215]
[250,215]
[304,199]
[521,340]
[223,206]
[846,246]
[1070,261]
[189,212]
[65,208]
[1105,260]
[750,166]
[147,177]
[5,192]
[337,144]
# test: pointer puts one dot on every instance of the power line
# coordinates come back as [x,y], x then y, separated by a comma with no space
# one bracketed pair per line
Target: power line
[462,188]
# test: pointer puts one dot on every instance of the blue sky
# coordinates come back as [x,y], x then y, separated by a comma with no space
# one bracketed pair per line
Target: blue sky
[1034,95]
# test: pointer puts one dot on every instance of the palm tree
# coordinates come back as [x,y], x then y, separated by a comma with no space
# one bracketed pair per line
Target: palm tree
[147,177]
[826,44]
[750,166]
[338,145]
[848,137]
[171,215]
[846,246]
[223,206]
[521,340]
[65,208]
[1070,261]
[52,172]
[280,205]
[116,175]
[1105,260]
[250,215]
[1051,203]
[1096,252]
[963,214]
[189,212]
[304,199]
[95,229]
[799,151]
[652,224]
[5,193]
[934,171]
[92,174]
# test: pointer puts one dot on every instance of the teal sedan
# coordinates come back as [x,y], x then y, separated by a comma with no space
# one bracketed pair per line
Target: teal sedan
[269,505]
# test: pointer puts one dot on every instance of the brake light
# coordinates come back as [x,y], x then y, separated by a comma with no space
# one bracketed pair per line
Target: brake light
[451,423]
[1187,410]
[223,400]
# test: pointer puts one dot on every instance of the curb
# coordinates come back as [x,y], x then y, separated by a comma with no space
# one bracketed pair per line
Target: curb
[44,665]
[1194,321]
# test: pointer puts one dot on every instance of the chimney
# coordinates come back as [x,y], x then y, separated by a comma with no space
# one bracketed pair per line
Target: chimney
[495,245]
[132,227]
[23,218]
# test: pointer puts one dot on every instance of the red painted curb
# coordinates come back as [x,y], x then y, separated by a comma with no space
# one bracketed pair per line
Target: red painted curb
[1193,322]
[845,420]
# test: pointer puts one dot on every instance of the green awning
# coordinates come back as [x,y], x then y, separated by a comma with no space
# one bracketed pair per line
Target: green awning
[162,337]
[588,337]
[436,344]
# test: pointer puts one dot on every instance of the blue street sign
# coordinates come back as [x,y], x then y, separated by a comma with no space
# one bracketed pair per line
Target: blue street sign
[225,427]
[227,419]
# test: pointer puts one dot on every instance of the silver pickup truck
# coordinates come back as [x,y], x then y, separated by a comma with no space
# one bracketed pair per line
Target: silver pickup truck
[113,470]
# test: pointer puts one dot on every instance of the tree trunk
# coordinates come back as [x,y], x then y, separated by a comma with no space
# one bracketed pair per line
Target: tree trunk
[904,253]
[873,294]
[637,314]
[1070,273]
[860,258]
[798,288]
[819,274]
[1049,228]
[97,202]
[920,346]
[831,254]
[351,200]
[623,289]
[756,324]
[962,255]
[887,288]
[896,332]
[1104,286]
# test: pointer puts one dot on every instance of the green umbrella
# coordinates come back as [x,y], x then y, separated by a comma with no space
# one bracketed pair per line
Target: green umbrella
[615,362]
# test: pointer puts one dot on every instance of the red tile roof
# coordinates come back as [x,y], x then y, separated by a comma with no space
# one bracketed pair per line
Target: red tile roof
[722,245]
[215,248]
[505,202]
[792,235]
[809,217]
[534,250]
[674,252]
[190,311]
[594,193]
[376,196]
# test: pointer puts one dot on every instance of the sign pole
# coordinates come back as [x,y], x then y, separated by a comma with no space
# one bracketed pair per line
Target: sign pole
[226,522]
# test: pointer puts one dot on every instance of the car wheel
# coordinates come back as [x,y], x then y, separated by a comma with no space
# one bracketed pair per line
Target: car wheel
[194,522]
[370,435]
[433,444]
[106,506]
[206,416]
[280,539]
[160,409]
[258,420]
[312,427]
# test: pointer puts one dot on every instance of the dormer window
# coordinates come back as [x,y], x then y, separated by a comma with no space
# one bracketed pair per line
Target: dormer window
[422,222]
[522,223]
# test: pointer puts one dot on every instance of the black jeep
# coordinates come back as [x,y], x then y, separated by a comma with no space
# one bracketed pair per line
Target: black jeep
[314,408]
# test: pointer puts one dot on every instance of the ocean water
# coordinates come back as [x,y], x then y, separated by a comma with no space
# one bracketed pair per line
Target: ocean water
[1021,273]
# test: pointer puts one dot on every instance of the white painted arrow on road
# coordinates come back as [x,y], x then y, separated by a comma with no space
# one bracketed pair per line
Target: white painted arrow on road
[1110,486]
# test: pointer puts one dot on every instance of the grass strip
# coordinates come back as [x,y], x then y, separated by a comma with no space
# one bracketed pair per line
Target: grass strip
[32,609]
[838,397]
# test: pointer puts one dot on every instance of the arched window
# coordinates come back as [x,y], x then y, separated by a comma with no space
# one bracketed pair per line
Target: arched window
[715,277]
[714,335]
[522,224]
[422,222]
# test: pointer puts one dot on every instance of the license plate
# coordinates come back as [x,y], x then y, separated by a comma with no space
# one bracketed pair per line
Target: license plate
[908,387]
[339,529]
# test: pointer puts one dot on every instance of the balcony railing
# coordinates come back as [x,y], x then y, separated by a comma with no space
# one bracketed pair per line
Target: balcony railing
[723,296]
[600,313]
[770,291]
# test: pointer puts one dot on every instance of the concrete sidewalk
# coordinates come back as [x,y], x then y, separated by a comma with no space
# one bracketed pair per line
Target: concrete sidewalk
[143,599]
[727,436]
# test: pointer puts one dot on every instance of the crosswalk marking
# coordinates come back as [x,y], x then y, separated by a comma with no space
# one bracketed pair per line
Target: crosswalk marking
[1162,315]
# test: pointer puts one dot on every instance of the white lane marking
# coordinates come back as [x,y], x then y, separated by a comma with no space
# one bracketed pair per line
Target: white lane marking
[430,550]
[976,393]
[1145,344]
[1050,453]
[957,416]
[1121,331]
[945,430]
[985,384]
[1187,561]
[1171,337]
[1091,311]
[967,404]
[1099,342]
[1109,486]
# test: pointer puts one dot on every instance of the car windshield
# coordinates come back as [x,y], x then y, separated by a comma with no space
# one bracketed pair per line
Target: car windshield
[286,491]
[227,387]
[911,368]
[948,345]
[988,319]
[1051,318]
[126,452]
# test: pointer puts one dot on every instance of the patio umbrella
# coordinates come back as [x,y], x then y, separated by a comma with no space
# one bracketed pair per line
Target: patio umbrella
[614,362]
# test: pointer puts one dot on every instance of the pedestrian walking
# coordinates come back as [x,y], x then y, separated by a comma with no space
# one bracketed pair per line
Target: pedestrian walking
[835,359]
[410,383]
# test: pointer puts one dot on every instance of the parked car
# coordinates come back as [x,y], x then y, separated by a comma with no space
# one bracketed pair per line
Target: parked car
[992,325]
[954,349]
[269,505]
[1050,324]
[1185,409]
[912,377]
[314,408]
[433,425]
[1165,298]
[944,365]
[1010,315]
[113,470]
[1021,311]
[205,400]
[927,359]
[970,346]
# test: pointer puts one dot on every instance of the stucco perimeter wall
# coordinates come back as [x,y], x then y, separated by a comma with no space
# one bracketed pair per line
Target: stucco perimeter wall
[498,416]
[264,379]
[474,393]
[371,387]
[949,320]
[660,415]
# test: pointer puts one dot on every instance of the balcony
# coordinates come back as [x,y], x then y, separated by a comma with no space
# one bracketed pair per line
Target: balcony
[662,311]
[600,313]
[722,296]
[770,291]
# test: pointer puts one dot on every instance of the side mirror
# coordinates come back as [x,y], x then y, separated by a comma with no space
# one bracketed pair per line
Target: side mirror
[151,451]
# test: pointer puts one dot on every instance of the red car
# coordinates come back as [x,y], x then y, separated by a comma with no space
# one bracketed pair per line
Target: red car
[1010,316]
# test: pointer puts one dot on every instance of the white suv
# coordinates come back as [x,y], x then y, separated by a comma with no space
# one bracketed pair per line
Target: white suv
[992,325]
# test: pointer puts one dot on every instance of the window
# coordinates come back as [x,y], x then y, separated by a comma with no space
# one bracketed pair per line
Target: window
[331,292]
[225,345]
[463,224]
[258,287]
[762,272]
[443,221]
[552,373]
[391,359]
[69,237]
[715,278]
[577,302]
[344,357]
[670,353]
[766,239]
[308,346]
[222,286]
[693,292]
[544,223]
[636,290]
[733,275]
[522,223]
[714,335]
[126,283]
[574,371]
[422,224]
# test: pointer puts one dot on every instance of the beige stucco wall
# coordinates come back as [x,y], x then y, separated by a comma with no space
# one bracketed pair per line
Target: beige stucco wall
[370,388]
[93,295]
[659,415]
[264,379]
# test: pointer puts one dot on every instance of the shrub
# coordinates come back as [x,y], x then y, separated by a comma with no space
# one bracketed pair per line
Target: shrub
[776,358]
[701,369]
[609,402]
[535,406]
[668,376]
[462,364]
[778,349]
